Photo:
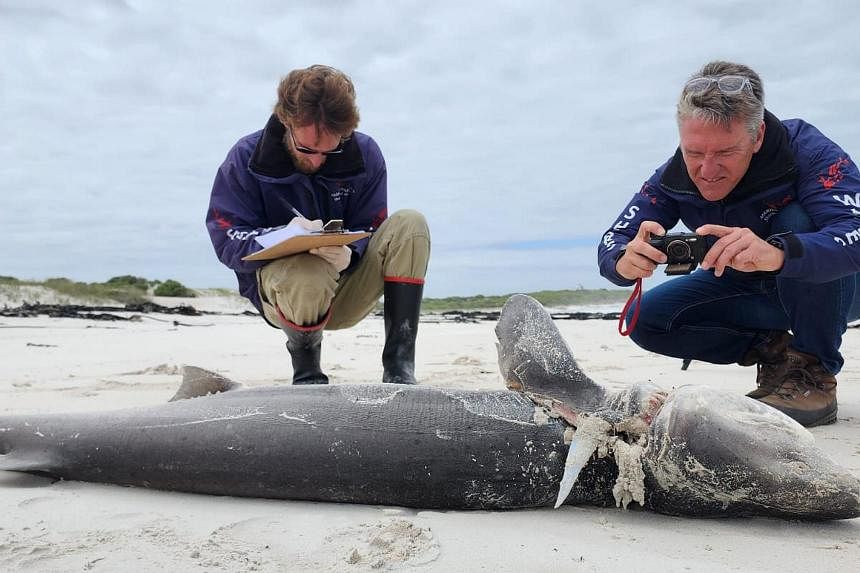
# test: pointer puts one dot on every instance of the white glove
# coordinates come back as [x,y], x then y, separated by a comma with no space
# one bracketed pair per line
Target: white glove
[339,256]
[301,222]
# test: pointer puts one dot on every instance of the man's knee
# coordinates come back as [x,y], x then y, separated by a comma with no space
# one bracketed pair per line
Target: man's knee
[409,222]
[638,334]
[405,245]
[647,319]
[299,287]
[792,218]
[298,271]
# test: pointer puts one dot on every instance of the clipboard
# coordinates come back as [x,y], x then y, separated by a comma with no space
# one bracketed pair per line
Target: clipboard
[331,236]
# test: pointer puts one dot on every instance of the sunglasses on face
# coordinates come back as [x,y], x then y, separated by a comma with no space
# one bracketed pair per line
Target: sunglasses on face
[308,151]
[728,85]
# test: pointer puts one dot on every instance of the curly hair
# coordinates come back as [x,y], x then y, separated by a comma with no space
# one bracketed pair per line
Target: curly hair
[318,95]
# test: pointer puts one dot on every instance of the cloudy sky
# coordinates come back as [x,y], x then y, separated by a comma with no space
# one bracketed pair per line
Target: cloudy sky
[520,129]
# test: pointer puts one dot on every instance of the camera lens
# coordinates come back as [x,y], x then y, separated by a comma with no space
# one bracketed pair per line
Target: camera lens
[678,251]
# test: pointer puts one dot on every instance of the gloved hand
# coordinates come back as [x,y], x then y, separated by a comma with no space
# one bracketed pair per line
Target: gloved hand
[301,222]
[339,256]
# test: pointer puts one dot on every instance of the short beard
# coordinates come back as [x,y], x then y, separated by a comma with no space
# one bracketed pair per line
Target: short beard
[299,162]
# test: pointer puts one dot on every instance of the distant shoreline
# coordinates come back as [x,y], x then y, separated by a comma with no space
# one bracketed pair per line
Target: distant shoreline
[135,290]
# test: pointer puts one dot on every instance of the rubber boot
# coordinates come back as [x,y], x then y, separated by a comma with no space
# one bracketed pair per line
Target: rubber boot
[402,308]
[305,347]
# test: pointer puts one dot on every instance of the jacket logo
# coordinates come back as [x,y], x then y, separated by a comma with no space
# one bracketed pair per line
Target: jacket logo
[343,190]
[774,207]
[834,173]
[623,223]
[851,237]
[853,202]
[222,223]
[647,192]
[225,225]
[235,235]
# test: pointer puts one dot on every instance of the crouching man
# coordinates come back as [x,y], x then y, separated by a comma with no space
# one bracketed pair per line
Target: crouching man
[776,202]
[308,165]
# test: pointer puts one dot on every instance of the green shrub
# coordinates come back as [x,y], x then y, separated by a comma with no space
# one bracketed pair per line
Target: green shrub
[129,281]
[171,287]
[97,291]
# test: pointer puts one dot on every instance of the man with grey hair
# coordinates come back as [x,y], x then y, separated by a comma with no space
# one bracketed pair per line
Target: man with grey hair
[778,206]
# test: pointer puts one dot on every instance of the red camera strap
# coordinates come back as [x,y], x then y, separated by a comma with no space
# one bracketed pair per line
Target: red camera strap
[635,298]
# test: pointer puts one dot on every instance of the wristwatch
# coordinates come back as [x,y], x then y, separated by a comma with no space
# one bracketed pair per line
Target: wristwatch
[776,240]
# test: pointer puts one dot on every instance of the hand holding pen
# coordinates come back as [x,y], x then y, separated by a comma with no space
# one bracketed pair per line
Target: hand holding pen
[301,221]
[315,225]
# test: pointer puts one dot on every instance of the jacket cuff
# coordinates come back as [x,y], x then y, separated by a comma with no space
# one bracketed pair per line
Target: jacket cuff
[793,246]
[793,249]
[612,275]
[787,242]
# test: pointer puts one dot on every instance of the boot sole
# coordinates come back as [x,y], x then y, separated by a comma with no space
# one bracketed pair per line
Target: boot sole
[829,418]
[807,419]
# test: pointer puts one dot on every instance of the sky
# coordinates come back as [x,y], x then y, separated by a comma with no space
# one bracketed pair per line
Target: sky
[520,129]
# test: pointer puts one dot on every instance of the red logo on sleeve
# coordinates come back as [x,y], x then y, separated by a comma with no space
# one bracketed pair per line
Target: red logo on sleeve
[222,223]
[647,191]
[834,174]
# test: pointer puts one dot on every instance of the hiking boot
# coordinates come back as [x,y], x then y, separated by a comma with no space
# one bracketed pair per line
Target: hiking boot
[806,391]
[768,357]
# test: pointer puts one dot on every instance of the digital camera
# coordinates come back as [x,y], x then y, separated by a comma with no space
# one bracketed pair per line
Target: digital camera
[684,251]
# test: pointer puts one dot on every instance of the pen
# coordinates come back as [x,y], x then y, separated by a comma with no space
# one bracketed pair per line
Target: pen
[294,211]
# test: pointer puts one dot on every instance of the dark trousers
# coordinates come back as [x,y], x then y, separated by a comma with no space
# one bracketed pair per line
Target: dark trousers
[718,319]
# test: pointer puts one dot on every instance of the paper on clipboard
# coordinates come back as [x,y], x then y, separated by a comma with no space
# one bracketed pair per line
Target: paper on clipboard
[292,240]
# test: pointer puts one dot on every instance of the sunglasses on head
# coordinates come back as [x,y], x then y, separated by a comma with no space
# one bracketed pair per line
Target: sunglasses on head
[308,151]
[728,85]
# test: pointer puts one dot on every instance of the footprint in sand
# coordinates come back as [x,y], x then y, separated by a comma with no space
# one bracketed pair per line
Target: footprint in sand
[34,501]
[385,544]
[169,369]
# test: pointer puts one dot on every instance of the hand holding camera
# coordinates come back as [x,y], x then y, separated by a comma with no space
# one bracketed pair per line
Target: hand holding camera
[639,258]
[682,252]
[735,247]
[740,249]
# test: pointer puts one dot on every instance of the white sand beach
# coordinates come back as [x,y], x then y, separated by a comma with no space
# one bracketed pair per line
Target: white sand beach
[63,365]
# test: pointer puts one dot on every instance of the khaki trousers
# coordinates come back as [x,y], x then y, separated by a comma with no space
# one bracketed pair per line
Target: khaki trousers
[309,292]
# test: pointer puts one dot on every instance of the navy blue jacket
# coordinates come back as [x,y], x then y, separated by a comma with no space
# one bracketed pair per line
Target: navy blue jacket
[795,163]
[258,183]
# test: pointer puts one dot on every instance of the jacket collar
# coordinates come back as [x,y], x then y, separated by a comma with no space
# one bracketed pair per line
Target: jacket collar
[271,159]
[774,163]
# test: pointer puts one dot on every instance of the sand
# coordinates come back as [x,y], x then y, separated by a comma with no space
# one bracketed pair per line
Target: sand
[57,365]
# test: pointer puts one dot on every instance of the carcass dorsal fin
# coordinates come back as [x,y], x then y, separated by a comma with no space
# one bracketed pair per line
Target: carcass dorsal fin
[534,358]
[199,382]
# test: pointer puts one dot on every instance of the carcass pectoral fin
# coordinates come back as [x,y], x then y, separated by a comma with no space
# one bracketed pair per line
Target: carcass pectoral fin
[200,382]
[578,455]
[591,432]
